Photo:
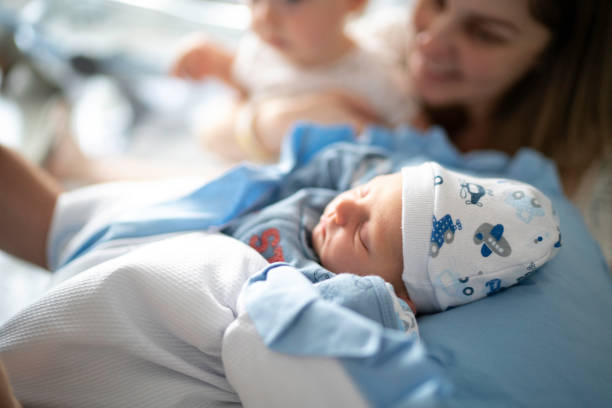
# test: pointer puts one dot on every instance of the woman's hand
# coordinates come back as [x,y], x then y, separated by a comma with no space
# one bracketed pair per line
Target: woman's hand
[200,57]
[275,117]
[7,399]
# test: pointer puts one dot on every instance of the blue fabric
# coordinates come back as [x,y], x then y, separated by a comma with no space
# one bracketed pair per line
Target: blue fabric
[293,316]
[287,311]
[281,232]
[366,295]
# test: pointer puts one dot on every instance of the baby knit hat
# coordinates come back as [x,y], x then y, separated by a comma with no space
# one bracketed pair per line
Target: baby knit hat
[464,237]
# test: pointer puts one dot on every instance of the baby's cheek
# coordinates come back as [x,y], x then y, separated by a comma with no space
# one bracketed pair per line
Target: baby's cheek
[340,255]
[336,263]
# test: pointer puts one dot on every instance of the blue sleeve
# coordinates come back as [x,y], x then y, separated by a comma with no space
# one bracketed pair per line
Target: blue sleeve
[293,316]
[366,295]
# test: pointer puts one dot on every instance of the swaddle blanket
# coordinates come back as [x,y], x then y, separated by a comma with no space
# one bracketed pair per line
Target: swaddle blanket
[141,329]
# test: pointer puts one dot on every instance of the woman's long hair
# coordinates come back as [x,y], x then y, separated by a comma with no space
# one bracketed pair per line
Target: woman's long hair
[563,105]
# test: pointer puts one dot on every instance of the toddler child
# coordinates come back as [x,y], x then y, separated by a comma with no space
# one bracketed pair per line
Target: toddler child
[296,47]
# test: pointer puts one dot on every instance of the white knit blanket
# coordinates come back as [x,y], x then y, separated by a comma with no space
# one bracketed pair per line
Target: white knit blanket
[143,329]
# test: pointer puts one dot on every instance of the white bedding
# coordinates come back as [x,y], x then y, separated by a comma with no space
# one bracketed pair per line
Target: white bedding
[264,378]
[130,333]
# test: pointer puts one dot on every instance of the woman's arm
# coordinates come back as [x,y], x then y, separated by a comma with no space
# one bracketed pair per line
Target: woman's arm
[27,201]
[6,395]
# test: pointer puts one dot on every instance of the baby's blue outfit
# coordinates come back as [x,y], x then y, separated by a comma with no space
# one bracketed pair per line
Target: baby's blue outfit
[282,233]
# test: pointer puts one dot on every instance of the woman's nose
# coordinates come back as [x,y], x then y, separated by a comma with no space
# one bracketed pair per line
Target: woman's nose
[263,13]
[437,41]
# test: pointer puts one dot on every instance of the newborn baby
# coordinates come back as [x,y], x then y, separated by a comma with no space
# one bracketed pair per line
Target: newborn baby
[439,238]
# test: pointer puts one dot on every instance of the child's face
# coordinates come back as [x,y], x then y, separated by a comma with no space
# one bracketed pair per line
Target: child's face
[360,231]
[302,30]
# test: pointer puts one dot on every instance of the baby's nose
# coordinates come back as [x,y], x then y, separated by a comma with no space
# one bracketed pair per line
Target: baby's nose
[347,211]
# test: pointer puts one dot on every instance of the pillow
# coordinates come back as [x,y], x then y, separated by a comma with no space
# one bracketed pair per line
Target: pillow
[546,342]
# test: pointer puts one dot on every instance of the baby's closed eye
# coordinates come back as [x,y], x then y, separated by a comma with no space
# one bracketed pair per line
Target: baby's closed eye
[363,235]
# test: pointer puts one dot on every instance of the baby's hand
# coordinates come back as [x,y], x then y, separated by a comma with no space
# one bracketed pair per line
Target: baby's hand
[200,57]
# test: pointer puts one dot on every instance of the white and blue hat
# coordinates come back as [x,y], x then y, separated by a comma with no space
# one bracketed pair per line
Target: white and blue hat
[465,238]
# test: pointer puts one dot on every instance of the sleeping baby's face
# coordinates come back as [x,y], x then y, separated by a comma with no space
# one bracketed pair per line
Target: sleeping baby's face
[360,232]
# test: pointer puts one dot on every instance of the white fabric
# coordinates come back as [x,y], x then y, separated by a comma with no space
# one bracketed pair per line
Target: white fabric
[79,213]
[465,238]
[405,313]
[417,207]
[265,73]
[143,329]
[265,378]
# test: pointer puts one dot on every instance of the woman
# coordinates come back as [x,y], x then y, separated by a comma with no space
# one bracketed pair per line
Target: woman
[497,75]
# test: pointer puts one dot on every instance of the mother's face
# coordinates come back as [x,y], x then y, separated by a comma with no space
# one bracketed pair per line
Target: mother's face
[470,52]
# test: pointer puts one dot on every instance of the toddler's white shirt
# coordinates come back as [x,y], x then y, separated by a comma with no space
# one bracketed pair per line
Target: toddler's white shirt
[265,73]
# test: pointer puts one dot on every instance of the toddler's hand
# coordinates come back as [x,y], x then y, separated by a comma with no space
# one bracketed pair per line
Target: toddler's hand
[200,57]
